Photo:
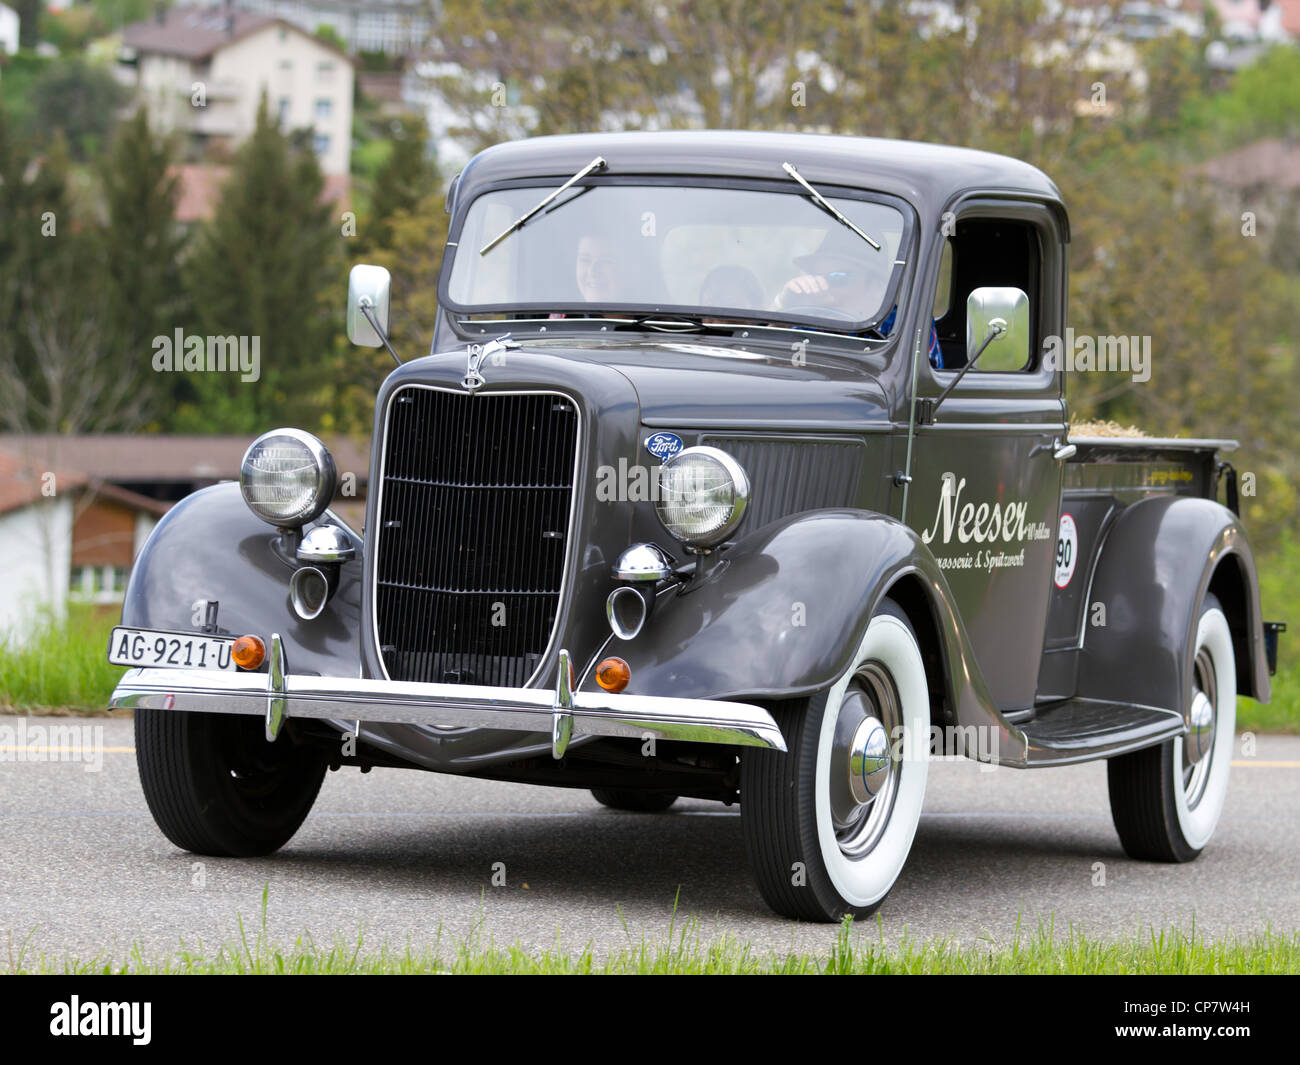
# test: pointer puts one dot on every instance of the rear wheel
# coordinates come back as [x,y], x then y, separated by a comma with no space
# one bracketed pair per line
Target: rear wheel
[1165,801]
[633,800]
[828,825]
[215,785]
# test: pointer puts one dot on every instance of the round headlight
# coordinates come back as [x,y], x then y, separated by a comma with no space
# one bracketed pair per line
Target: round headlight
[287,477]
[703,493]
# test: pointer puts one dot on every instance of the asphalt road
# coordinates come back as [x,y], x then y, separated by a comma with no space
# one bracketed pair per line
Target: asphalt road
[407,856]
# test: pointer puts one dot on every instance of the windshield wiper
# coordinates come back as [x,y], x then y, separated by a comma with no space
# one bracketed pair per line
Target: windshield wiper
[825,205]
[596,164]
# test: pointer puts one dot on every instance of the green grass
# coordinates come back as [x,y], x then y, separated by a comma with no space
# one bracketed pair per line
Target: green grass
[1282,713]
[1279,591]
[682,950]
[61,665]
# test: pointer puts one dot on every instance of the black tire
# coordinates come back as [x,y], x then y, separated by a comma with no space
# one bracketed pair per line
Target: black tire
[215,786]
[633,800]
[1163,810]
[800,871]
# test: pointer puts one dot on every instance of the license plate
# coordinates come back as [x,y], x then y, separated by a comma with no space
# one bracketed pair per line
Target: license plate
[180,650]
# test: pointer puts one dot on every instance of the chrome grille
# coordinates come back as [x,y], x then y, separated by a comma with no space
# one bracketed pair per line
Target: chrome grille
[472,526]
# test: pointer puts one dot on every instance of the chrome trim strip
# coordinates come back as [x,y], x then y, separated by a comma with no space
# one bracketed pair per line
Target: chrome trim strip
[562,708]
[1158,443]
[276,710]
[565,574]
[717,426]
[1017,427]
[449,705]
[1040,757]
[1103,534]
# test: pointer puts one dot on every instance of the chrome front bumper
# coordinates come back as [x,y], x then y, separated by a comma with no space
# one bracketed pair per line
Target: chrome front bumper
[278,695]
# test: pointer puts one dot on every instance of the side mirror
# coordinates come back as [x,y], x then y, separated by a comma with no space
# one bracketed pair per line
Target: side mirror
[368,287]
[1010,350]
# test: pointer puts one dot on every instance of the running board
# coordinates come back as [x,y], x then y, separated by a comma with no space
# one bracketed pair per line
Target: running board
[1081,730]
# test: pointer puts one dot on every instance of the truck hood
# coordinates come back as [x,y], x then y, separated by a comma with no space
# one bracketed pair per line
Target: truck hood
[691,382]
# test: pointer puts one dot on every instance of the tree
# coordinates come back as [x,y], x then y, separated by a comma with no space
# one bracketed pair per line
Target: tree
[79,100]
[1156,255]
[140,250]
[55,373]
[327,33]
[30,13]
[414,258]
[404,179]
[1263,100]
[264,268]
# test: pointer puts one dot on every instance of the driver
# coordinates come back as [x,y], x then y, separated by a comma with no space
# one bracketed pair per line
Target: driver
[840,275]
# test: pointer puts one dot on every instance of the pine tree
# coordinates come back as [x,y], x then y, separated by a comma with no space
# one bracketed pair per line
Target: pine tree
[141,246]
[406,177]
[30,13]
[267,266]
[53,373]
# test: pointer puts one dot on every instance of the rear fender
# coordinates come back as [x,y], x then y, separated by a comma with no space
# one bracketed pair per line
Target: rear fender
[1157,563]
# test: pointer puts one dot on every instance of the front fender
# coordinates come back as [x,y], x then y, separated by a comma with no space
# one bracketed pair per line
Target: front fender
[211,548]
[1157,563]
[782,613]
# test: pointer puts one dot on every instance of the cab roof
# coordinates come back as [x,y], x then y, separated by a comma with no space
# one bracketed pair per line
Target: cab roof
[929,176]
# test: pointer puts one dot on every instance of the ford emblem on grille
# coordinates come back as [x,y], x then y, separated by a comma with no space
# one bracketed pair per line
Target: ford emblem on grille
[663,446]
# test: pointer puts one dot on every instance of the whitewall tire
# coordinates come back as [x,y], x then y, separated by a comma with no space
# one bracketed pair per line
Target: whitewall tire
[829,824]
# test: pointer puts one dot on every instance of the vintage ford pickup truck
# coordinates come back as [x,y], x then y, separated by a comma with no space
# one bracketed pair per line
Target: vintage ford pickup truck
[739,469]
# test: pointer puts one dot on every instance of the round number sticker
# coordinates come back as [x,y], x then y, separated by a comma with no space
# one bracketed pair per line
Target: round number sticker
[1067,550]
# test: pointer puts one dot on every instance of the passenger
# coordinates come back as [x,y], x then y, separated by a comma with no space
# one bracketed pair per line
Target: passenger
[600,270]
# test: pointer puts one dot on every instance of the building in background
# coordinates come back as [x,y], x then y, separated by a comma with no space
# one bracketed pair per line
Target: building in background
[1271,21]
[9,25]
[199,185]
[398,27]
[202,71]
[64,538]
[76,510]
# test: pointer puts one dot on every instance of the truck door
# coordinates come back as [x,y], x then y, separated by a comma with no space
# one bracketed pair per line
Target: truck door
[985,493]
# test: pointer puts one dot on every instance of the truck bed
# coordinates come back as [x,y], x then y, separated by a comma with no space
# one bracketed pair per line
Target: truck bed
[1106,475]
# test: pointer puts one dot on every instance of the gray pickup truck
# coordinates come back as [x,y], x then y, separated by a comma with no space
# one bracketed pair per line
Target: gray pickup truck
[739,469]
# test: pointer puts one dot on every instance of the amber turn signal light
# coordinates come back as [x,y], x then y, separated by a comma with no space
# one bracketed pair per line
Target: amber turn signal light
[249,652]
[613,674]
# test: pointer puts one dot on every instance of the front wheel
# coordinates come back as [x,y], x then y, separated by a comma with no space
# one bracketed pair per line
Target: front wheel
[828,825]
[215,785]
[1166,800]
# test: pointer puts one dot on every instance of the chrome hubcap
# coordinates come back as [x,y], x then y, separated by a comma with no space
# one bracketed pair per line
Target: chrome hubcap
[1198,744]
[864,768]
[869,763]
[1202,733]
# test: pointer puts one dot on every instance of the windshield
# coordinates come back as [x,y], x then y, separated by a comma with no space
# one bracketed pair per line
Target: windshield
[695,250]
